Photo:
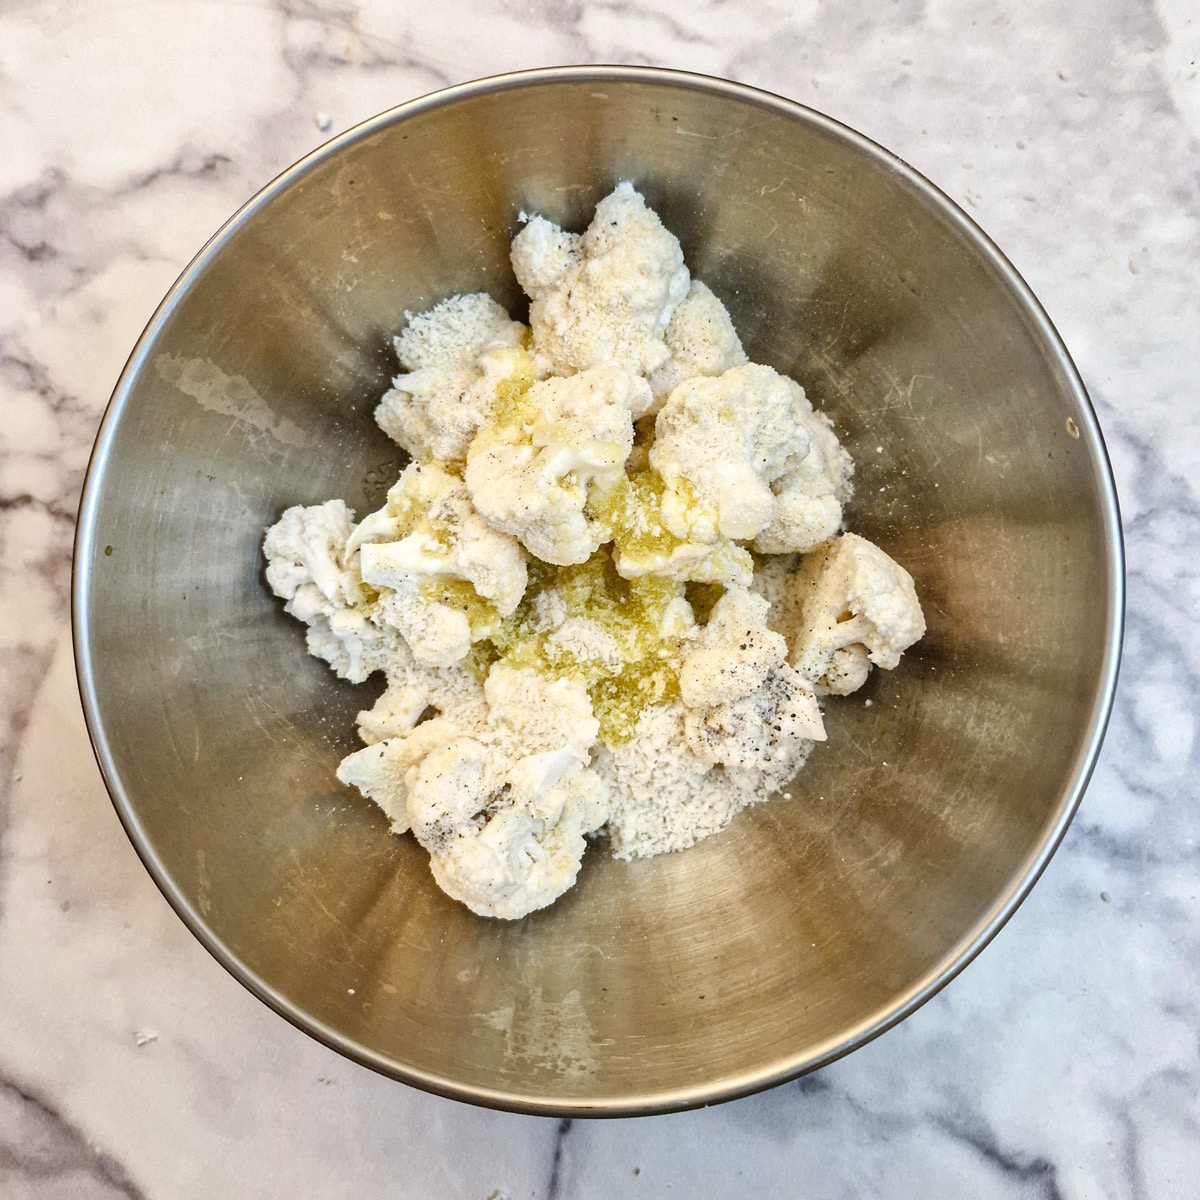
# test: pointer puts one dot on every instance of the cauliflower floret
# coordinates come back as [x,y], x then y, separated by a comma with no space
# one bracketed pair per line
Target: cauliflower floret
[733,654]
[534,711]
[459,354]
[438,634]
[503,811]
[702,341]
[504,839]
[642,545]
[445,576]
[430,528]
[857,604]
[354,646]
[607,297]
[380,771]
[746,706]
[542,254]
[771,730]
[304,551]
[434,413]
[413,690]
[809,499]
[531,473]
[719,445]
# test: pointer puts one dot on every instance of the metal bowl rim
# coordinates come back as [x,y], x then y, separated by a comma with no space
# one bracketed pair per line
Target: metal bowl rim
[727,1087]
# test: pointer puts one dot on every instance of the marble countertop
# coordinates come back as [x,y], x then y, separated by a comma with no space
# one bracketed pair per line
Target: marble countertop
[1065,1062]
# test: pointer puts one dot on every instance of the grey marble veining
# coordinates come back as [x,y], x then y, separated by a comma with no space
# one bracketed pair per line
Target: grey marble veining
[1065,1062]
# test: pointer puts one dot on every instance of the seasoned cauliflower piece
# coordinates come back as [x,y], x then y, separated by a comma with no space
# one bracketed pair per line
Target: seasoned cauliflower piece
[380,771]
[505,840]
[809,499]
[542,254]
[430,528]
[454,333]
[642,545]
[733,654]
[503,811]
[444,576]
[531,472]
[535,711]
[772,727]
[304,551]
[702,341]
[746,706]
[856,604]
[438,634]
[434,413]
[354,645]
[846,670]
[607,297]
[458,355]
[413,691]
[719,445]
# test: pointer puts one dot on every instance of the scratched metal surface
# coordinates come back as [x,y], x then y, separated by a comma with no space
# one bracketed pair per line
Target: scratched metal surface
[813,923]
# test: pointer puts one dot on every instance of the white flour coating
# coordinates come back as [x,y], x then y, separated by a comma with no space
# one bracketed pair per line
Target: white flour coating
[525,589]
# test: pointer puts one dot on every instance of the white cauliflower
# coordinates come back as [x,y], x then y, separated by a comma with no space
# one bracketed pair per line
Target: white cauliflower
[626,413]
[720,443]
[809,499]
[746,706]
[532,472]
[531,711]
[732,451]
[543,255]
[305,551]
[455,333]
[702,341]
[438,634]
[771,730]
[642,545]
[415,690]
[459,354]
[420,549]
[503,810]
[731,655]
[505,839]
[354,645]
[604,298]
[857,607]
[380,770]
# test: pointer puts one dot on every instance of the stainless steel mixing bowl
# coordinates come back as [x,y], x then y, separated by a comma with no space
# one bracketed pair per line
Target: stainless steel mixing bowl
[814,922]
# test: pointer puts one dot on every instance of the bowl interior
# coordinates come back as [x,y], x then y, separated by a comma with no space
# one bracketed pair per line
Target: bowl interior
[814,921]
